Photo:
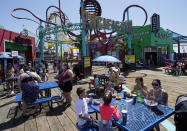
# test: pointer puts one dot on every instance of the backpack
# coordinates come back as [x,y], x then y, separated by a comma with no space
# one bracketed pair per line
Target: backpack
[30,91]
[180,116]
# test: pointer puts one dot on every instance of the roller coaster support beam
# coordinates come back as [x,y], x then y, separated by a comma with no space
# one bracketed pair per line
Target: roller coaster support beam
[41,37]
[129,36]
[83,33]
[56,38]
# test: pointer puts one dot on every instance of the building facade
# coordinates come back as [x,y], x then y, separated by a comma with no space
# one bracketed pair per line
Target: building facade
[148,47]
[151,47]
[12,41]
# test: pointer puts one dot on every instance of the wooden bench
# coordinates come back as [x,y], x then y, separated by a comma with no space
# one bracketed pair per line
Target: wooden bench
[18,100]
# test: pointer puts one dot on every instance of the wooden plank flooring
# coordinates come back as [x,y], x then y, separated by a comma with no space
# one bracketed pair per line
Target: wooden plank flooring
[64,119]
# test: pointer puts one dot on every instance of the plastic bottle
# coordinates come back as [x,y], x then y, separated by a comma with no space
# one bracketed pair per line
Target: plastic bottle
[139,97]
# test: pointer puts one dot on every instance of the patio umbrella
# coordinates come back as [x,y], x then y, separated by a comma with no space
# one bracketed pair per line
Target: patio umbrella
[6,53]
[5,56]
[107,58]
[20,57]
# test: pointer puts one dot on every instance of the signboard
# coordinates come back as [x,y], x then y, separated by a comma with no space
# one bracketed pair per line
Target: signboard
[97,22]
[14,53]
[129,59]
[86,61]
[155,23]
[24,34]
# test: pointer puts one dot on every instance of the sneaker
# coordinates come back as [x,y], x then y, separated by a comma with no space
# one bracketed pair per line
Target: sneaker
[12,93]
[67,105]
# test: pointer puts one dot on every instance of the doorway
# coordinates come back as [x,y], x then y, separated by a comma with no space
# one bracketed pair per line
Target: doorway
[151,59]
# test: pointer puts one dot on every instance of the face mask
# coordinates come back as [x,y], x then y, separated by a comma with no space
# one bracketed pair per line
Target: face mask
[41,72]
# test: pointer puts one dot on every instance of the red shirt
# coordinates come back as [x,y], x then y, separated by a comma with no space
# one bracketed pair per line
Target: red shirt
[107,112]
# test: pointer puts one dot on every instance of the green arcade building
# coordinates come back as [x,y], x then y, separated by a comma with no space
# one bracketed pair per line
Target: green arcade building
[151,48]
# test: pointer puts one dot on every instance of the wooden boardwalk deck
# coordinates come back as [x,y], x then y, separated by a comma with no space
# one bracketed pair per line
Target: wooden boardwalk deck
[64,119]
[58,119]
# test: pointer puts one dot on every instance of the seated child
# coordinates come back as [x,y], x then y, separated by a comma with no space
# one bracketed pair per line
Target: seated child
[109,87]
[96,85]
[106,111]
[83,119]
[140,87]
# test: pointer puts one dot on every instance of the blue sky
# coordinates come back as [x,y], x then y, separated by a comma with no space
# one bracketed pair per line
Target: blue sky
[172,12]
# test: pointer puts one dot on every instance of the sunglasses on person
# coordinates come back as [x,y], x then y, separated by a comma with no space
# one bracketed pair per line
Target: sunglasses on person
[155,84]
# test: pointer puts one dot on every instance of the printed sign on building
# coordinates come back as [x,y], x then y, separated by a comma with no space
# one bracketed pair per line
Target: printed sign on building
[86,61]
[155,23]
[129,59]
[14,53]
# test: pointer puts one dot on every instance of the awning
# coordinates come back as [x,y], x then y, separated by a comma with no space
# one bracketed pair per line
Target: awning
[12,46]
[177,37]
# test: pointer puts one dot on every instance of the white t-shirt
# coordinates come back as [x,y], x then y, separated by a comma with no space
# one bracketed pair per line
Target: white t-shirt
[81,107]
[21,71]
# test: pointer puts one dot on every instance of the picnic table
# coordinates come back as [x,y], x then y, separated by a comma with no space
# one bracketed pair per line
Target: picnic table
[103,78]
[47,86]
[140,117]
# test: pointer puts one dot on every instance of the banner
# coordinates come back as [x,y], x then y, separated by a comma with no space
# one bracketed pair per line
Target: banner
[86,61]
[14,53]
[129,59]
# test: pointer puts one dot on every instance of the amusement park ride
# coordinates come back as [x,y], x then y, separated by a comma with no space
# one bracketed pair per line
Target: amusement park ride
[91,23]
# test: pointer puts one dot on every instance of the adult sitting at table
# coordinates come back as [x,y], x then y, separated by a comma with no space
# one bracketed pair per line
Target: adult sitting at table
[174,68]
[28,84]
[117,68]
[140,87]
[111,75]
[158,94]
[65,83]
[106,111]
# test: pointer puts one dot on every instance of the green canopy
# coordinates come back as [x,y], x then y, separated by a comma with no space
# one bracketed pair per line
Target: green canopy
[11,46]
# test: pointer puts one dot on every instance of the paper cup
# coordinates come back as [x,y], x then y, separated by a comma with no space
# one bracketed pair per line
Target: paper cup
[124,116]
